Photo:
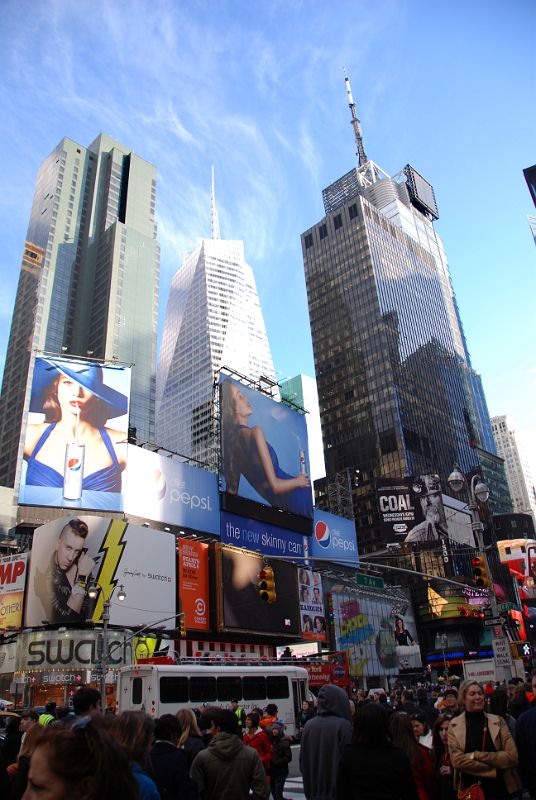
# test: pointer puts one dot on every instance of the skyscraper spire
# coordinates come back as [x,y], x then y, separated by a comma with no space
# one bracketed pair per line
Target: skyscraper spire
[214,211]
[356,125]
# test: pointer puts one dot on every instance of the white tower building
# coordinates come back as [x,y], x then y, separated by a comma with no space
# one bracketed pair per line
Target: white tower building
[213,319]
[518,473]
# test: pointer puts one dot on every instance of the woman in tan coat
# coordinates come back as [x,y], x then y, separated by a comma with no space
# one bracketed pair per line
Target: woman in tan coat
[481,748]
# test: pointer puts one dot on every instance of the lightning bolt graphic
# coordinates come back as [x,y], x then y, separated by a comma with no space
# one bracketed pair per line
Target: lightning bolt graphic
[112,546]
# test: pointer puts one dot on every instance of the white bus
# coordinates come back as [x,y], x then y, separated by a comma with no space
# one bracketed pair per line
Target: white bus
[165,688]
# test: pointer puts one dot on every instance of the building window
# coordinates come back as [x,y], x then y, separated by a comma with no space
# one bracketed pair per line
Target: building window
[337,222]
[352,211]
[323,231]
[308,241]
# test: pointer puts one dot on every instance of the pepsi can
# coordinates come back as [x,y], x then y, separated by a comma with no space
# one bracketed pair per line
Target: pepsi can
[73,473]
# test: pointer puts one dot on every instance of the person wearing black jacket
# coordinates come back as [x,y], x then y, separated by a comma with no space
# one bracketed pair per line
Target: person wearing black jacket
[169,763]
[281,758]
[371,768]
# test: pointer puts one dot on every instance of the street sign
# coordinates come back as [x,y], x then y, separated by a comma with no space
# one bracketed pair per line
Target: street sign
[489,622]
[501,653]
[487,611]
[370,582]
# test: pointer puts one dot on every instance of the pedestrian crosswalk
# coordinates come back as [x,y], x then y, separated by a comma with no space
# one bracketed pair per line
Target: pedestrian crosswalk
[293,789]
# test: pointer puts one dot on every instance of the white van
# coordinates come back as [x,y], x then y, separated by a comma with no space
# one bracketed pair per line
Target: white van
[165,688]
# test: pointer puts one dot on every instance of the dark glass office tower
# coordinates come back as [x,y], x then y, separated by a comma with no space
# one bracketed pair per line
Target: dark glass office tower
[397,392]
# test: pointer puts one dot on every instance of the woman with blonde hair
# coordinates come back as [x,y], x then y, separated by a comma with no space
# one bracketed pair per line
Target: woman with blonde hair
[190,739]
[481,747]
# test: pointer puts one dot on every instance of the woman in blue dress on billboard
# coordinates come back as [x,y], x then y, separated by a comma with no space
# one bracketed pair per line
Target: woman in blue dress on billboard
[246,452]
[73,448]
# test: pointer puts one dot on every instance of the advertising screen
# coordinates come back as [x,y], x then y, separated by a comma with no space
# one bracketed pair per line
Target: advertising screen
[412,509]
[193,584]
[70,553]
[271,540]
[379,637]
[169,491]
[264,448]
[75,448]
[333,538]
[12,583]
[312,614]
[240,606]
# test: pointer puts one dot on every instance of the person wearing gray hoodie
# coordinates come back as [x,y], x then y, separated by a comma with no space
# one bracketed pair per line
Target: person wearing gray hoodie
[226,770]
[322,742]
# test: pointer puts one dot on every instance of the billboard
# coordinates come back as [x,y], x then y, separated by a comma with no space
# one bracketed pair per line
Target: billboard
[75,448]
[271,540]
[379,636]
[165,490]
[70,553]
[12,583]
[264,450]
[312,614]
[412,509]
[193,583]
[239,605]
[333,538]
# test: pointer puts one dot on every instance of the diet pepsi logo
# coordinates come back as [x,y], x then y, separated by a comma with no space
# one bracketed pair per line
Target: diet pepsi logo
[322,534]
[74,464]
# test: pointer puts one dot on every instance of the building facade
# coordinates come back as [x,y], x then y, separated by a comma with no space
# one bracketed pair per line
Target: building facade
[518,473]
[398,395]
[213,319]
[88,284]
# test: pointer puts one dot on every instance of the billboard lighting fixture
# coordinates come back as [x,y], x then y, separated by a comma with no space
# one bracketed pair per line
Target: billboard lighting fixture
[167,528]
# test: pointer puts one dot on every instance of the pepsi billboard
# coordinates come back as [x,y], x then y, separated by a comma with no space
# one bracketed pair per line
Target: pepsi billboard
[264,450]
[75,450]
[261,537]
[164,490]
[333,539]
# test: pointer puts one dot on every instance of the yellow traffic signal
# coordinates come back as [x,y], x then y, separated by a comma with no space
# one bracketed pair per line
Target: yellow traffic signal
[266,585]
[481,576]
[182,626]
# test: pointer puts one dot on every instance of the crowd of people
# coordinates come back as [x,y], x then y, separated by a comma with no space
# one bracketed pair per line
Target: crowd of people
[475,742]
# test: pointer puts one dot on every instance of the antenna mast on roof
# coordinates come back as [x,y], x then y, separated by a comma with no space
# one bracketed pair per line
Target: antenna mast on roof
[356,125]
[214,212]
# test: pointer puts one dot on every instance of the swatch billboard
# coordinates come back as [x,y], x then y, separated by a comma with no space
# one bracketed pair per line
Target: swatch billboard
[70,553]
[165,490]
[265,456]
[333,539]
[75,448]
[239,604]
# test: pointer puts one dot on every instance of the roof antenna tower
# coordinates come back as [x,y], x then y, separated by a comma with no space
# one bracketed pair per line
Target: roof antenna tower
[356,125]
[214,211]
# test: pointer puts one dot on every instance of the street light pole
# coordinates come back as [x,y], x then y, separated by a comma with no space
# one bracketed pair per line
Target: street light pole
[104,650]
[479,491]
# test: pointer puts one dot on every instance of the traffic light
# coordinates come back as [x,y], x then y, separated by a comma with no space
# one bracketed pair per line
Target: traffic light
[266,585]
[480,571]
[182,626]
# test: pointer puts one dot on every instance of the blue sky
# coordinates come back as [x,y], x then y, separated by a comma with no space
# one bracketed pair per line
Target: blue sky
[257,89]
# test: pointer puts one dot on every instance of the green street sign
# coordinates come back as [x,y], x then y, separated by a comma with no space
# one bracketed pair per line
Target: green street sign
[370,582]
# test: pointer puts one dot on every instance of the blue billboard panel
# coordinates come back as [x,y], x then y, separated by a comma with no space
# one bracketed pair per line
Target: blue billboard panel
[265,456]
[260,537]
[333,538]
[75,444]
[169,491]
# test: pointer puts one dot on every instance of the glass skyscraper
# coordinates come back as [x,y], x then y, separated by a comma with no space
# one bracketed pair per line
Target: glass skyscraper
[88,284]
[398,396]
[213,319]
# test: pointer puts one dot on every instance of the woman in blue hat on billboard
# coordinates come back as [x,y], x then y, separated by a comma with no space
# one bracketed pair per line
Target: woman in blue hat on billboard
[73,448]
